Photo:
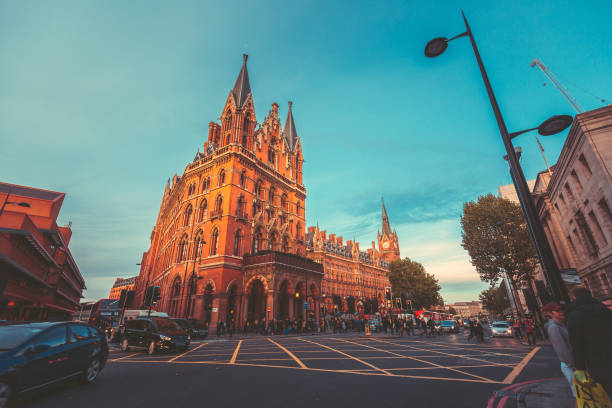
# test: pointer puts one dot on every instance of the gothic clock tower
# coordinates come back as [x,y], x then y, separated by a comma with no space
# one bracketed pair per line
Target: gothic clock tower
[387,241]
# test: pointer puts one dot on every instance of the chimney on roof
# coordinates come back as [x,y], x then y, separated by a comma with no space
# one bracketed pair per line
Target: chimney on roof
[339,240]
[332,237]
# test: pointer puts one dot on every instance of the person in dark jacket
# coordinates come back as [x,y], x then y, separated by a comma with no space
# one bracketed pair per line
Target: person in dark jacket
[589,324]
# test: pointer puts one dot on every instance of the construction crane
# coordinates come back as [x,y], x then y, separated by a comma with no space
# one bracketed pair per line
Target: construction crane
[557,84]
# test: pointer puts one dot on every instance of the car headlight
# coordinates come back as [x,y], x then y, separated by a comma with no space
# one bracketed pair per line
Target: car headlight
[165,338]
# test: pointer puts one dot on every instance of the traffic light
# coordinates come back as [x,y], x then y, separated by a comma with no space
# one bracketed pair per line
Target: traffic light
[398,303]
[388,297]
[156,294]
[152,295]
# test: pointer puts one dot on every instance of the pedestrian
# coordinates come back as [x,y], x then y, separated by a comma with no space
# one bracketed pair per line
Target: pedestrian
[517,329]
[431,326]
[472,331]
[410,327]
[219,325]
[589,324]
[530,332]
[230,328]
[479,331]
[423,327]
[245,329]
[559,339]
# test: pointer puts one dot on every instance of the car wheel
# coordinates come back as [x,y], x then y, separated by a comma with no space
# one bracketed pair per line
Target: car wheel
[151,348]
[6,393]
[92,371]
[125,346]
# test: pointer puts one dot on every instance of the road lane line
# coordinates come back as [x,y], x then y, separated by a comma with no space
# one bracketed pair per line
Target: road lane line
[233,359]
[297,360]
[482,351]
[187,352]
[128,356]
[322,370]
[443,353]
[348,355]
[519,367]
[426,362]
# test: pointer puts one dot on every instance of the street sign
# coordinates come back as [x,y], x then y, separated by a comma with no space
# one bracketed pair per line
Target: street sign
[215,309]
[306,306]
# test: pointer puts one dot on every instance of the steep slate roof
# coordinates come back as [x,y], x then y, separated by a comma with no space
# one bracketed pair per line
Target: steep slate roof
[242,87]
[386,230]
[289,132]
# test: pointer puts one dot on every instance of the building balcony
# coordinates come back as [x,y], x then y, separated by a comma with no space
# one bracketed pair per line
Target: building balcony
[284,258]
[216,214]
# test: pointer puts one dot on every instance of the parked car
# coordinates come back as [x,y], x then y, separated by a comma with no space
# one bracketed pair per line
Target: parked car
[199,329]
[37,355]
[501,328]
[193,327]
[448,326]
[154,334]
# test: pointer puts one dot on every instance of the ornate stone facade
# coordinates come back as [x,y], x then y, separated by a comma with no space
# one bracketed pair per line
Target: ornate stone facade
[350,272]
[243,195]
[574,201]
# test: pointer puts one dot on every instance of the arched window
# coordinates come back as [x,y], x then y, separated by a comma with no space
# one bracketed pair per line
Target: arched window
[243,179]
[207,183]
[192,287]
[258,189]
[187,216]
[197,248]
[214,241]
[228,120]
[181,253]
[245,128]
[284,202]
[285,245]
[202,211]
[219,205]
[175,295]
[298,206]
[237,243]
[298,231]
[271,195]
[274,242]
[240,212]
[221,180]
[271,155]
[256,241]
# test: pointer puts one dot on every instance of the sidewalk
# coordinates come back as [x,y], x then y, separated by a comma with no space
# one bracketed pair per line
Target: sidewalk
[547,393]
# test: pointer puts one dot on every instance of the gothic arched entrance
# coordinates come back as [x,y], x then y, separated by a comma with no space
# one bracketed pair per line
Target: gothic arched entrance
[208,303]
[232,298]
[283,299]
[256,307]
[300,298]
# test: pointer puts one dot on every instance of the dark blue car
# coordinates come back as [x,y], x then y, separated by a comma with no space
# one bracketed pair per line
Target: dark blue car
[37,355]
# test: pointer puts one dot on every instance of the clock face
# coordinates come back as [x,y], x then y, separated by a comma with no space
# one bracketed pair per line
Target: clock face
[385,245]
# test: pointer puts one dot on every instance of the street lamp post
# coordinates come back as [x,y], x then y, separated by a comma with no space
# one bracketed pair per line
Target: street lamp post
[551,126]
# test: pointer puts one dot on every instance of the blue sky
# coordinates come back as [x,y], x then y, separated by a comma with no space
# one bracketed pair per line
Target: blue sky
[106,100]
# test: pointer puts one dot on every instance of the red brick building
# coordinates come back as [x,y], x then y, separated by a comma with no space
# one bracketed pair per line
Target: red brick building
[121,284]
[350,274]
[228,242]
[39,279]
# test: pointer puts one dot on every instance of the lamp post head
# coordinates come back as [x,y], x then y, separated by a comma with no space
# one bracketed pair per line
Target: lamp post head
[555,124]
[436,47]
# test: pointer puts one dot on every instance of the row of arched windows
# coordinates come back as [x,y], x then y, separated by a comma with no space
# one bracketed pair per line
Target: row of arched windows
[183,252]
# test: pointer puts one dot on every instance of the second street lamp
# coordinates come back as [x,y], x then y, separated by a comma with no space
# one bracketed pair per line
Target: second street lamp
[436,47]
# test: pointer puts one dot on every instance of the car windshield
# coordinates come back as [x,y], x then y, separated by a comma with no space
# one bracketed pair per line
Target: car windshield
[166,324]
[502,325]
[12,336]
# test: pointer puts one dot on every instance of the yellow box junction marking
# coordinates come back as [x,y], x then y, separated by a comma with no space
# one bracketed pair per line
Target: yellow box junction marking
[519,367]
[427,362]
[348,355]
[124,357]
[187,352]
[233,359]
[297,360]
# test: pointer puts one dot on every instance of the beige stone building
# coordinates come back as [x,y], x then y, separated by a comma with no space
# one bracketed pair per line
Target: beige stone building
[467,309]
[574,201]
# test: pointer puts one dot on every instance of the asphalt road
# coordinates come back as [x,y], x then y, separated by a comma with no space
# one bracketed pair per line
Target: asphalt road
[329,370]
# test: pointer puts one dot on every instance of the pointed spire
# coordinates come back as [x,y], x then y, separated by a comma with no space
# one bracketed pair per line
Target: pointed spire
[242,87]
[386,228]
[289,132]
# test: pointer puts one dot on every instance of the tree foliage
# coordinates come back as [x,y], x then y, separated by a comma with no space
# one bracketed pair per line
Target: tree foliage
[410,278]
[451,310]
[495,299]
[497,239]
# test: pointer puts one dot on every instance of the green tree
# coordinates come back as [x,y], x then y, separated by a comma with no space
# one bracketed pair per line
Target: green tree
[497,239]
[410,278]
[495,299]
[451,310]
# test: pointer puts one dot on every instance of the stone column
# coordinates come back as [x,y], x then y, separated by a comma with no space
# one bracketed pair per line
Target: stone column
[317,310]
[270,303]
[291,306]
